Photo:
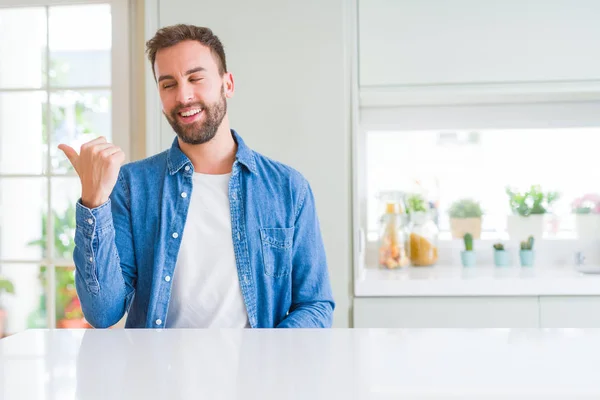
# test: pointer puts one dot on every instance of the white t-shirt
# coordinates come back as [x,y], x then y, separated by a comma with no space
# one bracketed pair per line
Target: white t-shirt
[206,289]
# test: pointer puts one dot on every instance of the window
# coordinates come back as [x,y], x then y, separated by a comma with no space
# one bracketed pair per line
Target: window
[63,79]
[447,165]
[452,152]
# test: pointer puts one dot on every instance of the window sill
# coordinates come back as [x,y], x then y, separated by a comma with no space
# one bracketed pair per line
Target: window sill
[485,280]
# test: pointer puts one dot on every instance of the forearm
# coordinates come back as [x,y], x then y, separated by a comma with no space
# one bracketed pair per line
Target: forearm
[316,314]
[99,279]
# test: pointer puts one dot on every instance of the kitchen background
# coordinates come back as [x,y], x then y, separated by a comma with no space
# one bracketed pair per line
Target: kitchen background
[415,104]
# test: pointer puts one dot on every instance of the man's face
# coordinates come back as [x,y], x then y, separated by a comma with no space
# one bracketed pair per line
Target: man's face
[192,91]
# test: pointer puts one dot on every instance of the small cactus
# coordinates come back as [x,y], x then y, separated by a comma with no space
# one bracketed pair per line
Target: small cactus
[499,247]
[468,238]
[527,244]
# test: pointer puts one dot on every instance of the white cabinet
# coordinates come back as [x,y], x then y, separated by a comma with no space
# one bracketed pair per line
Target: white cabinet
[570,311]
[446,312]
[478,312]
[456,42]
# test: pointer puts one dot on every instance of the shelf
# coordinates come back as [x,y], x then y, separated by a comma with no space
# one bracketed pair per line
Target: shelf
[486,280]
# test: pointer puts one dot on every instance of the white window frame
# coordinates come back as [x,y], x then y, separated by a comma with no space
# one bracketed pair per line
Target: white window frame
[430,108]
[121,107]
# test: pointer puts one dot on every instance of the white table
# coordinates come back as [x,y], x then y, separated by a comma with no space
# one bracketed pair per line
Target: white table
[301,364]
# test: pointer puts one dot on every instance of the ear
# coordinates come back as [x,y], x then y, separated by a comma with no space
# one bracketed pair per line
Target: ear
[228,84]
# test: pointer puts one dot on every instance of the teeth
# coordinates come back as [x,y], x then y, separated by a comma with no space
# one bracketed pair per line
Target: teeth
[191,112]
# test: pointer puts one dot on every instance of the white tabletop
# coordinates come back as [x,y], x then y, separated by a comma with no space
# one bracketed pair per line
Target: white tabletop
[301,364]
[484,280]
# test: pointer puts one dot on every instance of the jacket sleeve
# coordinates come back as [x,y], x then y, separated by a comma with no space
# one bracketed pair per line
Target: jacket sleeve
[312,299]
[104,258]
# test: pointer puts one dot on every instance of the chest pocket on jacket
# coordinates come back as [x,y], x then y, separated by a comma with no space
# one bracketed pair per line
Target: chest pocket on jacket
[277,250]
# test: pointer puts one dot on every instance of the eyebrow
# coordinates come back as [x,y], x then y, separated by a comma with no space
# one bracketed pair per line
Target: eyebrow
[188,72]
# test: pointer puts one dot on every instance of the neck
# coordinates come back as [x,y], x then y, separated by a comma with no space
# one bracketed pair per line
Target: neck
[214,157]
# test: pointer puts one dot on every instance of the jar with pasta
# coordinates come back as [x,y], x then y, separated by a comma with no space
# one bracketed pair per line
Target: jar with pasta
[423,241]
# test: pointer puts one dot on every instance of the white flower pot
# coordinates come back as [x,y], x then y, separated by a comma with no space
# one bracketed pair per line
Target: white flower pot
[587,226]
[520,228]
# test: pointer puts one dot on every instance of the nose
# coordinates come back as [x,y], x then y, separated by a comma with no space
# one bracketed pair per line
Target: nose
[185,93]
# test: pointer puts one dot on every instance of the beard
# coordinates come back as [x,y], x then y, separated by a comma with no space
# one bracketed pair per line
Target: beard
[200,131]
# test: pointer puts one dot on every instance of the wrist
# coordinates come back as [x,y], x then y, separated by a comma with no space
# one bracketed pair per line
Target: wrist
[92,201]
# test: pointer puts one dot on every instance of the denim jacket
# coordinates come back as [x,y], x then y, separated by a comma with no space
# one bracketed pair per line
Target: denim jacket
[126,249]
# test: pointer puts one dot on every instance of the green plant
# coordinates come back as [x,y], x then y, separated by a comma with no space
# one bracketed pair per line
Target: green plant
[468,239]
[527,244]
[499,247]
[64,229]
[415,203]
[533,201]
[465,208]
[6,285]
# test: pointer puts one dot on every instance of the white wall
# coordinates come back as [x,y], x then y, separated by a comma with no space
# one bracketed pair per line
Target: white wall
[291,67]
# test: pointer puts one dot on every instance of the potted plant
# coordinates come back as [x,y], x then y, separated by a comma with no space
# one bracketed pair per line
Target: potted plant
[6,286]
[465,217]
[467,256]
[528,210]
[73,316]
[526,254]
[501,256]
[587,216]
[416,203]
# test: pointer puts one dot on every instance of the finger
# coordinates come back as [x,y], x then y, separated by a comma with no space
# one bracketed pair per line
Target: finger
[99,148]
[109,151]
[118,156]
[100,139]
[69,152]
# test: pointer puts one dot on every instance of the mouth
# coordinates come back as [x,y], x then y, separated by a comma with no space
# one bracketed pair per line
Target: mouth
[190,115]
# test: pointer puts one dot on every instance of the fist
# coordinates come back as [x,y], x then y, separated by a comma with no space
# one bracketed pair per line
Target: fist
[97,165]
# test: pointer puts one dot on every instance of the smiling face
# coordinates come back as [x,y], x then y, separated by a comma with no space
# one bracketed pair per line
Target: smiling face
[192,90]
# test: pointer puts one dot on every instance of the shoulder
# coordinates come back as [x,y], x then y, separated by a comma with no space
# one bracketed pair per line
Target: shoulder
[280,173]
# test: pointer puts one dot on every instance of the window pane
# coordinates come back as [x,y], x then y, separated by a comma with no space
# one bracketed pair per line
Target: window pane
[22,59]
[65,193]
[22,218]
[78,117]
[26,307]
[80,40]
[22,138]
[447,166]
[68,307]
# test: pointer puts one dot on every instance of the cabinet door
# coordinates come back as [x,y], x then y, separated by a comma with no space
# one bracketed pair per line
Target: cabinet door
[570,311]
[446,312]
[431,42]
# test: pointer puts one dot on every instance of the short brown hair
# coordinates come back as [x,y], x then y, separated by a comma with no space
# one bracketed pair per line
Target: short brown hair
[171,35]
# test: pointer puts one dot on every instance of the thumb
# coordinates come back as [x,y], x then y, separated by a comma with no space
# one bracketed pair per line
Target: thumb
[70,153]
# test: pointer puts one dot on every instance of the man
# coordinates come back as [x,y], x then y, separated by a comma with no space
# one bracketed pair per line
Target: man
[206,234]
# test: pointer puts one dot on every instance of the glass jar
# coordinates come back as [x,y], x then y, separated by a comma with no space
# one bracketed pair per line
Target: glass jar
[393,237]
[424,236]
